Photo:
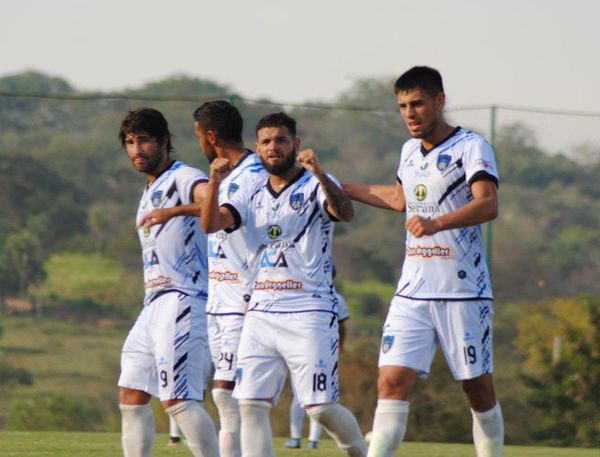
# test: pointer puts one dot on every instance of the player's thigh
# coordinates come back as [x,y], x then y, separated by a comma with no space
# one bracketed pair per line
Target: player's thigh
[180,341]
[310,349]
[465,333]
[409,337]
[224,337]
[138,367]
[261,371]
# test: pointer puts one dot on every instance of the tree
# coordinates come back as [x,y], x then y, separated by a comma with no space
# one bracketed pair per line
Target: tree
[562,368]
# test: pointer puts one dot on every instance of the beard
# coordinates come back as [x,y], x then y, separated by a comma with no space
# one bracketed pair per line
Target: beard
[282,167]
[152,162]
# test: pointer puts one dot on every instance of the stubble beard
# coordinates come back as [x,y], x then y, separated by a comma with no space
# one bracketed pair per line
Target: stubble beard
[281,168]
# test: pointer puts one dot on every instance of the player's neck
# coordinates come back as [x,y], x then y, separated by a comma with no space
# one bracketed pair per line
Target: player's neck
[280,181]
[437,136]
[164,164]
[233,152]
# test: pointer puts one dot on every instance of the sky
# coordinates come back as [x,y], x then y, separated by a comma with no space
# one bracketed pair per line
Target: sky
[535,53]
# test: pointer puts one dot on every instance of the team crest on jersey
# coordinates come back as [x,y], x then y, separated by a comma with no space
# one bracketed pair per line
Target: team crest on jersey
[443,161]
[233,188]
[387,343]
[274,231]
[296,201]
[156,198]
[421,192]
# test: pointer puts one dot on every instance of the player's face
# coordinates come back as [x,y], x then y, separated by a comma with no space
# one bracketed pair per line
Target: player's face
[277,149]
[205,144]
[145,152]
[421,112]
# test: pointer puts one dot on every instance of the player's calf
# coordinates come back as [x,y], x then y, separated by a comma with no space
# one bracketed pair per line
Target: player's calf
[342,426]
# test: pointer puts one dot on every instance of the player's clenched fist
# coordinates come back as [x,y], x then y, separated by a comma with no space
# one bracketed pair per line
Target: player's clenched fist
[420,226]
[309,160]
[219,168]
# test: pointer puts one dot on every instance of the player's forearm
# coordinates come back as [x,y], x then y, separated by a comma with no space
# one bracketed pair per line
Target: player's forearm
[338,202]
[477,211]
[210,208]
[193,209]
[380,196]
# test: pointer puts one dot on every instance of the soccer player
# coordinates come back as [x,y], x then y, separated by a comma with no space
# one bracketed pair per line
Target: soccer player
[163,355]
[447,185]
[296,410]
[219,126]
[292,314]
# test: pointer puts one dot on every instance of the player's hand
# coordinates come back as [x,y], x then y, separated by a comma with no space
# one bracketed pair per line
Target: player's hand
[309,160]
[156,216]
[219,168]
[419,226]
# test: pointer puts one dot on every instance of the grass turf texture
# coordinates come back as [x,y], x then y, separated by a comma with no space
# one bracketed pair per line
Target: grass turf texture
[75,444]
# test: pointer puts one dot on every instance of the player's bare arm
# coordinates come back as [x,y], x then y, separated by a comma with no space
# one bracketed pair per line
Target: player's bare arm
[214,217]
[338,203]
[483,208]
[163,215]
[377,195]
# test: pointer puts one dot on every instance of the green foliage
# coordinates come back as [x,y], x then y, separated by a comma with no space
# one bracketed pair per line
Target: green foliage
[88,284]
[562,346]
[54,412]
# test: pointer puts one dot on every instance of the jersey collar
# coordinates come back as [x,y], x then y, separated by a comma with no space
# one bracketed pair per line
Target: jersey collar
[276,194]
[427,151]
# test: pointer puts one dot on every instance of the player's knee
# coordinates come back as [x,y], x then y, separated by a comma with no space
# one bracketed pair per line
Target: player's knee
[132,396]
[391,385]
[480,392]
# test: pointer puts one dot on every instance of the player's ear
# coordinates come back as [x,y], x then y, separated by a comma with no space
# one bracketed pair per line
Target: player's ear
[211,136]
[296,142]
[440,100]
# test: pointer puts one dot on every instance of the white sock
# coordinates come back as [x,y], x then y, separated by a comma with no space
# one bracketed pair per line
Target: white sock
[296,418]
[197,427]
[315,430]
[229,419]
[342,426]
[256,435]
[137,430]
[174,431]
[389,426]
[488,432]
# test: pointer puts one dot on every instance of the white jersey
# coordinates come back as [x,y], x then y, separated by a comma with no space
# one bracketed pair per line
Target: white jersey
[290,241]
[174,254]
[228,273]
[451,264]
[343,311]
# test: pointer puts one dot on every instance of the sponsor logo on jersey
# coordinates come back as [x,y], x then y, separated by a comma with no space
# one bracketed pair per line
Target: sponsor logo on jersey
[223,276]
[443,161]
[272,259]
[387,343]
[320,365]
[274,231]
[156,198]
[286,284]
[159,281]
[427,251]
[146,230]
[215,250]
[420,192]
[296,201]
[233,188]
[423,208]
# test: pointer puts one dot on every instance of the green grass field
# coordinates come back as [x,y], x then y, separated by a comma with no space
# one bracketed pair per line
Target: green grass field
[63,444]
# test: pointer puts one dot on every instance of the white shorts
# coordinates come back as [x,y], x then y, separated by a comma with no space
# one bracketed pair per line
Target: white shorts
[166,351]
[224,332]
[304,343]
[413,330]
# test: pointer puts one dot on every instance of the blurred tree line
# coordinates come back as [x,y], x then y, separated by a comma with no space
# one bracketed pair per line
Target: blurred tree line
[68,244]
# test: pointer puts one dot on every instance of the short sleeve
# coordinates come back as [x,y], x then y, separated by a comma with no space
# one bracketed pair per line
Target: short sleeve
[479,162]
[239,202]
[343,312]
[187,180]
